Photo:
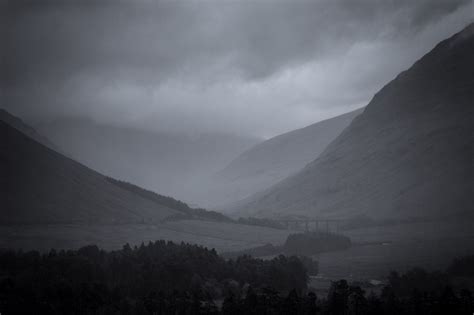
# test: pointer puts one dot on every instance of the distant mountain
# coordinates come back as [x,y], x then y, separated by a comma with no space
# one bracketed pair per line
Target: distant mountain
[51,201]
[170,163]
[269,162]
[39,185]
[42,186]
[409,154]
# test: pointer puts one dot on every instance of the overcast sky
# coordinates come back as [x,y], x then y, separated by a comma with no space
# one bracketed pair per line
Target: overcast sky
[255,68]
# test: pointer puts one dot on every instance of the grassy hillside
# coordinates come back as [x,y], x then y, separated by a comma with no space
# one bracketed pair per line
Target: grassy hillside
[408,155]
[18,124]
[272,160]
[53,201]
[40,185]
[171,163]
[186,211]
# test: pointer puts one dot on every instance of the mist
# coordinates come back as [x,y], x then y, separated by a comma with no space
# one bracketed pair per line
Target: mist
[250,69]
[236,157]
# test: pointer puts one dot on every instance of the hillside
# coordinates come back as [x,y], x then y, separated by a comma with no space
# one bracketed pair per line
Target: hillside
[186,212]
[49,200]
[40,185]
[274,159]
[170,163]
[18,124]
[409,154]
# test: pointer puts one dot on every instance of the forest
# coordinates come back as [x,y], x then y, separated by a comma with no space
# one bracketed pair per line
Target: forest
[167,278]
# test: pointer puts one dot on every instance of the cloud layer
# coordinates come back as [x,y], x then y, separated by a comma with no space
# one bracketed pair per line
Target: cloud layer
[248,67]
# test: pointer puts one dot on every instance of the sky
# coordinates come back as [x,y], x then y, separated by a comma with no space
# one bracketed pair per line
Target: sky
[251,68]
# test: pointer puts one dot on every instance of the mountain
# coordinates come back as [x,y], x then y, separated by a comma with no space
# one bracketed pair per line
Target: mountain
[186,212]
[409,154]
[18,124]
[274,159]
[51,201]
[39,185]
[193,168]
[171,163]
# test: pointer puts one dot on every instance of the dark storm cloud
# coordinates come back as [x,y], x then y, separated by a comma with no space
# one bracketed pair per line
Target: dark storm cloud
[158,39]
[73,57]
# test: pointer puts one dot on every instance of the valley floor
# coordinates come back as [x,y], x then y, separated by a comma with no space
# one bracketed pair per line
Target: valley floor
[218,235]
[379,250]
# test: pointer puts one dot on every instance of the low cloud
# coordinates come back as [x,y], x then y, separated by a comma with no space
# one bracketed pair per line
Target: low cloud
[257,68]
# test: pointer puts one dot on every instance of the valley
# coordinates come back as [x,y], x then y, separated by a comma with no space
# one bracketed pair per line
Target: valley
[218,235]
[241,220]
[379,250]
[375,251]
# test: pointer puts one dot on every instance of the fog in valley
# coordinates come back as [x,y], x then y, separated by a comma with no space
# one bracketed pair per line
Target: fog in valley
[237,157]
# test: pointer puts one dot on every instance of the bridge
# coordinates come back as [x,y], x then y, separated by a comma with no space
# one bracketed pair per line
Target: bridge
[313,224]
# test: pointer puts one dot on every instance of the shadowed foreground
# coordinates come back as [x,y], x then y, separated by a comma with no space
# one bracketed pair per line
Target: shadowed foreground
[166,278]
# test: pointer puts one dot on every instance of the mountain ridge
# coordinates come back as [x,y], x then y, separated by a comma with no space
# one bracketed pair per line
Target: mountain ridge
[169,163]
[272,160]
[401,157]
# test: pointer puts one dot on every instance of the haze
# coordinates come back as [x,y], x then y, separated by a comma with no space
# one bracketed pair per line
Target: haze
[247,68]
[236,157]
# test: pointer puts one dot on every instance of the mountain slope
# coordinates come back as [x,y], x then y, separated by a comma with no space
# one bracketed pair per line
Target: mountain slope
[186,212]
[274,159]
[50,201]
[170,163]
[408,155]
[39,185]
[18,124]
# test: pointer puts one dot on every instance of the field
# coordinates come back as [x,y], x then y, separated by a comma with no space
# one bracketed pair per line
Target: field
[375,253]
[221,236]
[379,250]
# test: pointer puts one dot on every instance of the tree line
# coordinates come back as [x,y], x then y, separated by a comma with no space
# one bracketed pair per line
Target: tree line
[167,278]
[186,211]
[91,280]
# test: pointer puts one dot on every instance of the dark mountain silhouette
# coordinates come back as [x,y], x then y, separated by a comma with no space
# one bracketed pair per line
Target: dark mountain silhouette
[40,185]
[18,124]
[49,200]
[171,163]
[269,162]
[409,154]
